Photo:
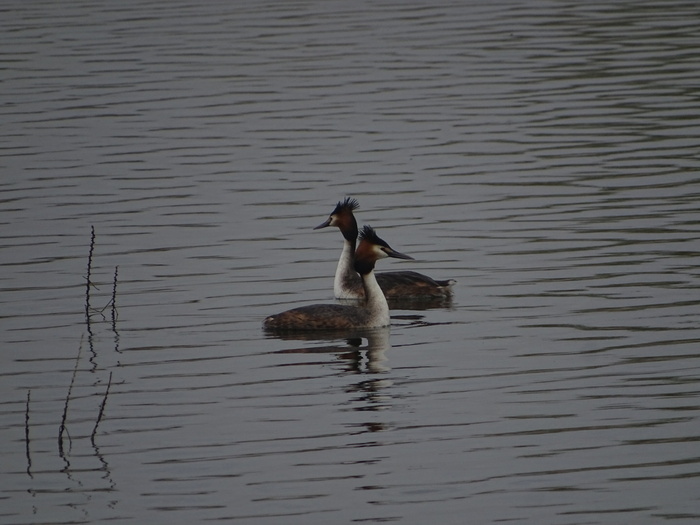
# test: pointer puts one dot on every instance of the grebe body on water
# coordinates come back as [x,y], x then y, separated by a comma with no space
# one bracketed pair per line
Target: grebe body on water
[395,285]
[373,313]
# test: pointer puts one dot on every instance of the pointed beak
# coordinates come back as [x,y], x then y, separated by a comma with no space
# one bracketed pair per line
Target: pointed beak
[398,255]
[323,224]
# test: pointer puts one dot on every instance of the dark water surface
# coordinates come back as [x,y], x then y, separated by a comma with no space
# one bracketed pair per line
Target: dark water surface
[544,154]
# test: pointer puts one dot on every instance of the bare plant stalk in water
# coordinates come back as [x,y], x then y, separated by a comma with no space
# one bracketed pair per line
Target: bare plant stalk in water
[114,297]
[26,435]
[88,284]
[102,409]
[62,428]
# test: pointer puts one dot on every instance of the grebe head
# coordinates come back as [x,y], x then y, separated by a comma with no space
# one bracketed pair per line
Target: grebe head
[343,218]
[371,249]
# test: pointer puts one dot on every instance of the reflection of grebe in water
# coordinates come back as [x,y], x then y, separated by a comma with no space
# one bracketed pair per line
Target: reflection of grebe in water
[373,313]
[395,285]
[347,346]
[367,363]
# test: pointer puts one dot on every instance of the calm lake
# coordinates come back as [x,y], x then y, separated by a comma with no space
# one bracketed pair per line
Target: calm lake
[544,154]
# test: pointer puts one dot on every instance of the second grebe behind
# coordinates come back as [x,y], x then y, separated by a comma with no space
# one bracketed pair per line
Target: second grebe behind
[395,285]
[374,313]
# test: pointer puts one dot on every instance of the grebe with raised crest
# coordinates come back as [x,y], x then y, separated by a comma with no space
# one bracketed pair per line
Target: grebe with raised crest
[373,313]
[395,285]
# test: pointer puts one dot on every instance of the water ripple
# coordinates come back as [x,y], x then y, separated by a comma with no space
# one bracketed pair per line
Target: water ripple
[541,154]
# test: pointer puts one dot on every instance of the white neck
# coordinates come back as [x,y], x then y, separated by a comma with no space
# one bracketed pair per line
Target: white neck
[376,302]
[345,272]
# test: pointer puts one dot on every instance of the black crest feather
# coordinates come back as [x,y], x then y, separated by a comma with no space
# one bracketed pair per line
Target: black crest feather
[348,204]
[367,233]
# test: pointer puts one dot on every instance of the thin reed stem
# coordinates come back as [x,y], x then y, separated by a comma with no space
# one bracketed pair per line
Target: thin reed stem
[114,298]
[26,435]
[88,283]
[102,410]
[62,428]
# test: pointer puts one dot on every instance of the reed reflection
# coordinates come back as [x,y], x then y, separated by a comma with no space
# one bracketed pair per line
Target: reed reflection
[80,419]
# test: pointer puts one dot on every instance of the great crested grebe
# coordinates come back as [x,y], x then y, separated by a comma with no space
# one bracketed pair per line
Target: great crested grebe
[374,313]
[395,285]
